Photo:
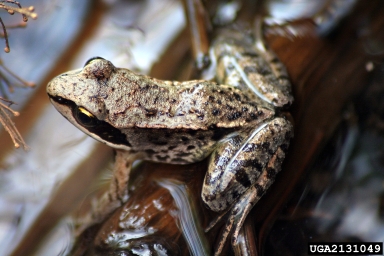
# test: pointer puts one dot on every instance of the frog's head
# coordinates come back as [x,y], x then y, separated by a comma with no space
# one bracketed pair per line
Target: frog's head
[79,95]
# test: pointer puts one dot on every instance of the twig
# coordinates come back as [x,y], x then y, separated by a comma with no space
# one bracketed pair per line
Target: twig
[6,49]
[25,12]
[9,125]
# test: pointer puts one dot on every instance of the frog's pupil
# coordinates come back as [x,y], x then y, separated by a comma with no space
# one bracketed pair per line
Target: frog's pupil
[84,119]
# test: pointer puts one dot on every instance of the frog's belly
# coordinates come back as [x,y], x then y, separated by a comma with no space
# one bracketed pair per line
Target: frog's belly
[175,146]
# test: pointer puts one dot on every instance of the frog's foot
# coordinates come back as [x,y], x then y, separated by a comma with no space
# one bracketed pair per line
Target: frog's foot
[244,205]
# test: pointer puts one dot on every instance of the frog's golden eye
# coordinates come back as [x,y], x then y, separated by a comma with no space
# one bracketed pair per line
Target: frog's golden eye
[84,117]
[92,59]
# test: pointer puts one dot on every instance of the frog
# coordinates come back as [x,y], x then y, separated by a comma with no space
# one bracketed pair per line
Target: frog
[235,121]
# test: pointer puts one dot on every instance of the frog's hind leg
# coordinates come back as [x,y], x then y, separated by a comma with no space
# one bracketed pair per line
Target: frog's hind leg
[278,68]
[242,170]
[274,81]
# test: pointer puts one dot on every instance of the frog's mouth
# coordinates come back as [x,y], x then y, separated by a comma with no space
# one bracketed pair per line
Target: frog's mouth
[90,125]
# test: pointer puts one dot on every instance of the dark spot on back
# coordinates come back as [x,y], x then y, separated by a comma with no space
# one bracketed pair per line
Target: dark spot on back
[260,190]
[200,115]
[144,88]
[250,69]
[190,147]
[265,145]
[184,138]
[207,179]
[254,163]
[237,140]
[253,116]
[235,194]
[181,154]
[242,177]
[229,107]
[172,147]
[216,157]
[215,112]
[264,71]
[234,116]
[271,173]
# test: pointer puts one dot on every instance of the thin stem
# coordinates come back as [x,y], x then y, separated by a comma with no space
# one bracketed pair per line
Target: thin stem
[6,49]
[9,125]
[24,82]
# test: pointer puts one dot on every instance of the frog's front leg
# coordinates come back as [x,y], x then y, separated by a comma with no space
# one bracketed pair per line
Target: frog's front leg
[117,193]
[241,169]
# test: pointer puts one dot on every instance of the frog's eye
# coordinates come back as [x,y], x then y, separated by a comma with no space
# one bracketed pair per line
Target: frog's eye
[92,59]
[84,117]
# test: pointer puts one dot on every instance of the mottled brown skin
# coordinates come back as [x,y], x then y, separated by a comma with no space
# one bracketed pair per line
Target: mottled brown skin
[172,122]
[184,122]
[244,62]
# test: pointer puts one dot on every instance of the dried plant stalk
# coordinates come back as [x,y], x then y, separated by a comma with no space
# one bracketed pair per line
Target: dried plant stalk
[9,125]
[5,110]
[5,80]
[24,11]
